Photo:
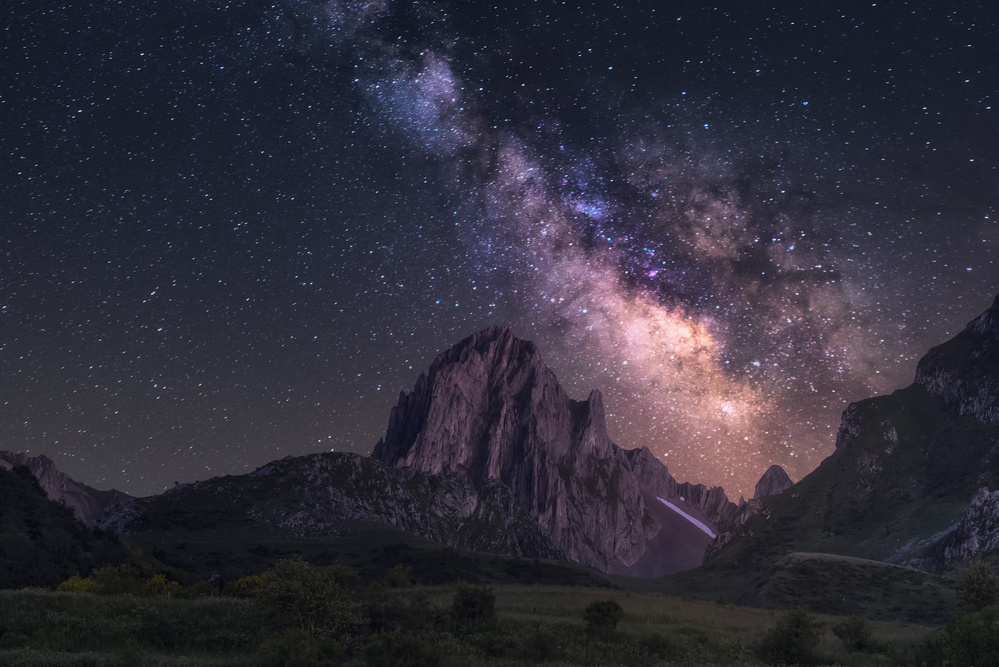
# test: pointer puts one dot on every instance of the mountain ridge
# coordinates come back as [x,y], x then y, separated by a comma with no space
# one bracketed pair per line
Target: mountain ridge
[86,502]
[913,476]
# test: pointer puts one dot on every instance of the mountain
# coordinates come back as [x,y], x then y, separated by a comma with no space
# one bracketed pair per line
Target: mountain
[487,454]
[774,481]
[42,542]
[913,479]
[88,503]
[333,494]
[489,410]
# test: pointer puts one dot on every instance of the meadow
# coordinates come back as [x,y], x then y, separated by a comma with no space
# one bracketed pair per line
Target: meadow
[411,626]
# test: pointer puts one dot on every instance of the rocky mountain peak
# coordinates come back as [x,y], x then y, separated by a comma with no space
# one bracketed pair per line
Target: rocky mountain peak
[486,404]
[987,324]
[964,371]
[490,409]
[774,481]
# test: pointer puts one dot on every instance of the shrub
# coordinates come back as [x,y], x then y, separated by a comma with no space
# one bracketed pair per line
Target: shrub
[471,607]
[245,587]
[117,580]
[603,616]
[971,639]
[316,600]
[411,612]
[400,576]
[793,640]
[977,587]
[856,635]
[77,584]
[158,585]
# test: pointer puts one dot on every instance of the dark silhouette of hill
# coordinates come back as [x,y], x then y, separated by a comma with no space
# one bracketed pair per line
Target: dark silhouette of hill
[42,542]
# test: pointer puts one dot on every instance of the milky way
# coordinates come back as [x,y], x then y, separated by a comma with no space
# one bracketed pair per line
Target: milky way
[236,232]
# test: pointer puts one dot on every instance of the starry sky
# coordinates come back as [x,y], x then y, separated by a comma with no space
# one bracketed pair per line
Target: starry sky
[234,231]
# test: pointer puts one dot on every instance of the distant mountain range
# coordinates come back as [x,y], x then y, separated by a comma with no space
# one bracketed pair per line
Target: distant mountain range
[488,453]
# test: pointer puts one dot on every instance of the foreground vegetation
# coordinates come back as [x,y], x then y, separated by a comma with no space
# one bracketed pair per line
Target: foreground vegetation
[300,614]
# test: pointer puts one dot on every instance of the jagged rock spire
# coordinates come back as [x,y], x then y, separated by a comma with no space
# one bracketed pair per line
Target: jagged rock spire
[774,481]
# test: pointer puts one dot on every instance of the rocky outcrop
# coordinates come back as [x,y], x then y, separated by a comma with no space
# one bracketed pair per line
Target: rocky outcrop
[774,481]
[709,502]
[975,535]
[330,494]
[489,409]
[964,371]
[88,503]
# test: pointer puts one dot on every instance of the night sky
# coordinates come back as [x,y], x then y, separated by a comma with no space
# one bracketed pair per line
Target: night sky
[234,231]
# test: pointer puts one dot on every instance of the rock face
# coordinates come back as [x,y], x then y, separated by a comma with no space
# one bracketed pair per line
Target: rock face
[88,503]
[975,535]
[964,372]
[774,481]
[914,477]
[324,495]
[490,410]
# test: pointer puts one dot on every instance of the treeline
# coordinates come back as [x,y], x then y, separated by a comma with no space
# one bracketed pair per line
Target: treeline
[43,543]
[296,613]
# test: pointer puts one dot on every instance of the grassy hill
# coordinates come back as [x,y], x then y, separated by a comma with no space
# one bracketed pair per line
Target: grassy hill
[369,549]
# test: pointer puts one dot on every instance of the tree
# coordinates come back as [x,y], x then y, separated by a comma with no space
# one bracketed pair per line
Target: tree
[977,587]
[603,616]
[316,600]
[793,640]
[971,639]
[856,635]
[472,606]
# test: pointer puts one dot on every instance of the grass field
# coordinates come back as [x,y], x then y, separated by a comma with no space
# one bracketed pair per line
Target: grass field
[821,583]
[678,621]
[535,625]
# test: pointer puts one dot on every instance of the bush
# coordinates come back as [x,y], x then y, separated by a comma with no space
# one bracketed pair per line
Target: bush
[603,616]
[245,587]
[411,612]
[856,635]
[117,580]
[977,587]
[972,639]
[400,576]
[315,600]
[158,585]
[471,607]
[77,584]
[793,640]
